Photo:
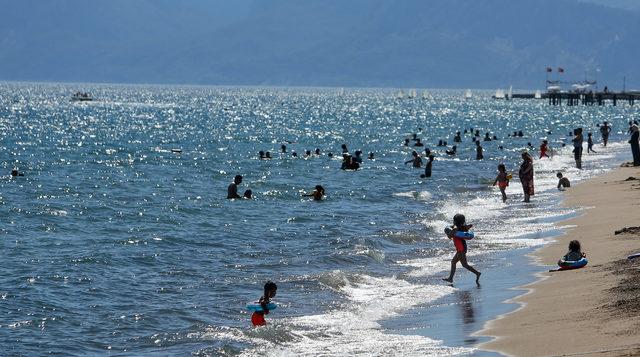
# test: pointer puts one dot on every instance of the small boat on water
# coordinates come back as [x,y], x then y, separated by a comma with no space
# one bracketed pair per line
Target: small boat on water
[499,94]
[467,94]
[81,97]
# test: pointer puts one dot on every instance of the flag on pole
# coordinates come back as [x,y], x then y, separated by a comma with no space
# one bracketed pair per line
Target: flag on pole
[560,70]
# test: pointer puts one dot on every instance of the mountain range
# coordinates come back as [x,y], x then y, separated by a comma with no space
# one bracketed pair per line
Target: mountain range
[362,43]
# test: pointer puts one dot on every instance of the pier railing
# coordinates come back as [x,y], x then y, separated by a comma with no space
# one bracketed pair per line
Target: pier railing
[592,98]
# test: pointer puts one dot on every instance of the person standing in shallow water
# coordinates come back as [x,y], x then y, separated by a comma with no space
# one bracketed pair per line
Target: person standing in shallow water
[578,139]
[479,154]
[232,190]
[635,144]
[526,176]
[427,168]
[416,160]
[605,129]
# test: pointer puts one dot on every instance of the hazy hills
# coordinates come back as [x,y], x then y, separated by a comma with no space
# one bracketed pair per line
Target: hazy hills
[409,43]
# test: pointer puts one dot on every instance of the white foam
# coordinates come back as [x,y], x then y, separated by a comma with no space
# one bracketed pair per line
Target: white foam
[417,195]
[356,330]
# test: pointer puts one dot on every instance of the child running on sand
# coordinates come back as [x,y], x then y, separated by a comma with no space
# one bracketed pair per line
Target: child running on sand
[459,224]
[270,289]
[502,180]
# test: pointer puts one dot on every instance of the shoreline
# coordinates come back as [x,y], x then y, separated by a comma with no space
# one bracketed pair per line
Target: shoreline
[586,310]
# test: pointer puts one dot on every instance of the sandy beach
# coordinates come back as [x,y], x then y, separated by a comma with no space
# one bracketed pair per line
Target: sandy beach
[594,310]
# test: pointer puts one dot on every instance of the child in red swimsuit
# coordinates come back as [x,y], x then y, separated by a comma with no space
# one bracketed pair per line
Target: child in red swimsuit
[543,149]
[270,289]
[459,224]
[502,180]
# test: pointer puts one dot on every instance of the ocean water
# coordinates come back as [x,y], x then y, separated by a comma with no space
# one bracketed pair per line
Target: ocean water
[113,242]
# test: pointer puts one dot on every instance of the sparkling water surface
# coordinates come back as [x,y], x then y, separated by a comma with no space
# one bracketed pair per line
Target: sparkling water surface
[119,237]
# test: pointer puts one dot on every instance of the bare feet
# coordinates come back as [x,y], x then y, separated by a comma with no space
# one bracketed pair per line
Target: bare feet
[478,278]
[448,280]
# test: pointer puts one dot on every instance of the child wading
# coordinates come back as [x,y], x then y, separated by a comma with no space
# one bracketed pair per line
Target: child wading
[459,224]
[270,288]
[502,180]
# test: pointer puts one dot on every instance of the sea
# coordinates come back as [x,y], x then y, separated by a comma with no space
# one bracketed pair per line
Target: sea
[119,239]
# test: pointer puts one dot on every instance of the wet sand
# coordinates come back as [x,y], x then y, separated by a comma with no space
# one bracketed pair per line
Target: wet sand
[594,310]
[454,318]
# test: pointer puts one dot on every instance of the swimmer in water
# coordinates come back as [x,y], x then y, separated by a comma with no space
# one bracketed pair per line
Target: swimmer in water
[15,173]
[358,157]
[270,289]
[232,190]
[248,194]
[317,194]
[371,156]
[416,160]
[452,151]
[459,224]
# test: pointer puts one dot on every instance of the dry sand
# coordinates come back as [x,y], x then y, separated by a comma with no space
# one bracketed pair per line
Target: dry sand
[589,311]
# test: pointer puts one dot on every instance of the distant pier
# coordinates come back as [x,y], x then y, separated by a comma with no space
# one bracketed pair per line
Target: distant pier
[591,98]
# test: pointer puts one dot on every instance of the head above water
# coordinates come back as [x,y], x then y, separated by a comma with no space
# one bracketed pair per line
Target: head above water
[559,175]
[238,179]
[459,220]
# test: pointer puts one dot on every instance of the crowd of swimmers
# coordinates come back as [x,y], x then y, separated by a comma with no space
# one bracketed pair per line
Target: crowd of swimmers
[525,174]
